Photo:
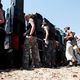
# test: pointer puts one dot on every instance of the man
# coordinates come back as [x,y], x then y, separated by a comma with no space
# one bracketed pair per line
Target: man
[2,32]
[1,14]
[69,47]
[32,51]
[48,55]
[46,33]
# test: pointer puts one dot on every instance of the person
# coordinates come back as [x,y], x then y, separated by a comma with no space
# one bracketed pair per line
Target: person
[45,56]
[1,14]
[46,30]
[2,31]
[31,42]
[69,47]
[76,48]
[48,46]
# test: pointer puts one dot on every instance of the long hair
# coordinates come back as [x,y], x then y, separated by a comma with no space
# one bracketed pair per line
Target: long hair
[29,16]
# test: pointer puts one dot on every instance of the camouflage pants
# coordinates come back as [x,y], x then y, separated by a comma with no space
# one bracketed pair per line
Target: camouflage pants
[31,53]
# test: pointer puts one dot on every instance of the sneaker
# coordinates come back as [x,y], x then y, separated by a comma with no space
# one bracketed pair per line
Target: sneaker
[75,63]
[70,64]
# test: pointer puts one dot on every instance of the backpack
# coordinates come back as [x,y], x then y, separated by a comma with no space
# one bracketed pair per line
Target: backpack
[38,22]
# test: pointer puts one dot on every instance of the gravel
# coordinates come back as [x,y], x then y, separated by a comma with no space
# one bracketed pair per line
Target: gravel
[62,73]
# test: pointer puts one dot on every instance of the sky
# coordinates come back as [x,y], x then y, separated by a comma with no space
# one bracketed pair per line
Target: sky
[61,13]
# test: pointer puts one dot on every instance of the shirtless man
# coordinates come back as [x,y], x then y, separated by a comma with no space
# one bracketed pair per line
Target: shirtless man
[69,47]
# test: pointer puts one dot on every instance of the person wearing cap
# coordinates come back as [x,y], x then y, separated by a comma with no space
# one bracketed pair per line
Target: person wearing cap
[69,47]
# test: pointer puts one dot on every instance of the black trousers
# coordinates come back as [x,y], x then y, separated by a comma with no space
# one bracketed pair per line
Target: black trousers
[2,39]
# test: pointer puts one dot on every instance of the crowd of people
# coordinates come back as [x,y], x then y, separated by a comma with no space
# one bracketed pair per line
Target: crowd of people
[47,56]
[51,54]
[50,57]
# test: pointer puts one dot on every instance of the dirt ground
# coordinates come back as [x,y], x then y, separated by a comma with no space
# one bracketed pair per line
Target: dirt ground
[62,73]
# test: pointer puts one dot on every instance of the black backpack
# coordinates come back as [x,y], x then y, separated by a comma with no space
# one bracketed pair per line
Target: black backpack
[38,22]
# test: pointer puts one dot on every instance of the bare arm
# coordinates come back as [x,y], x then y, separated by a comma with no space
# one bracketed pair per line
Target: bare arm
[31,21]
[47,33]
[69,36]
[1,17]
